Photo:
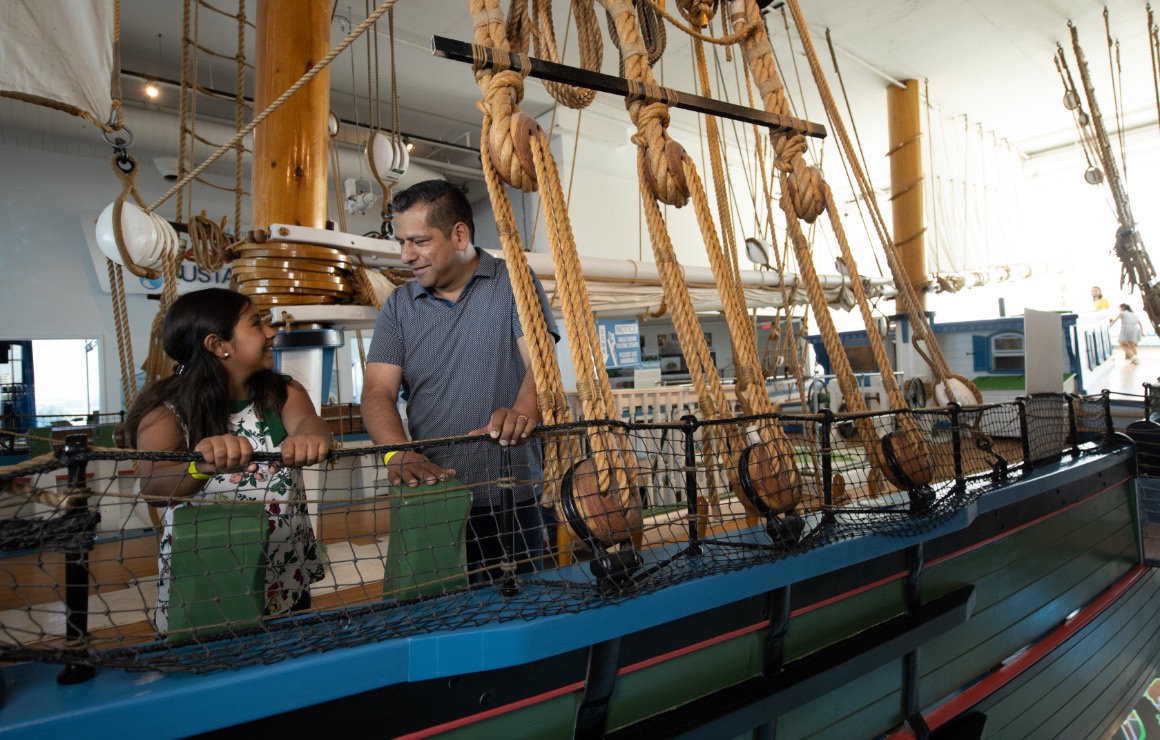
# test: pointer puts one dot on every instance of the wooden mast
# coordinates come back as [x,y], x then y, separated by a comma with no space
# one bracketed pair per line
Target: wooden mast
[288,184]
[906,183]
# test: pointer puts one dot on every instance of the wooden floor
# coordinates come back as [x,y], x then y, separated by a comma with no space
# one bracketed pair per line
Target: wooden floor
[1129,378]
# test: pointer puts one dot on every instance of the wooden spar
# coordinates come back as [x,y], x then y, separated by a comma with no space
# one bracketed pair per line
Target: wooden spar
[906,183]
[462,52]
[288,184]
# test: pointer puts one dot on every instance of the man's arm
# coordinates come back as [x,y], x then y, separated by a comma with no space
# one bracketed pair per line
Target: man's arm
[380,403]
[380,412]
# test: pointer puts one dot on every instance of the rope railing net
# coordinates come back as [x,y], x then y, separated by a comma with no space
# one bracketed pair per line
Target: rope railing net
[395,557]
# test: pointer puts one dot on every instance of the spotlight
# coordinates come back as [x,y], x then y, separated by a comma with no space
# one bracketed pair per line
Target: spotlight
[410,145]
[151,91]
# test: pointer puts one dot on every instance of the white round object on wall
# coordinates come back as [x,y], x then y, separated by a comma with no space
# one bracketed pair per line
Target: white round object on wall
[144,236]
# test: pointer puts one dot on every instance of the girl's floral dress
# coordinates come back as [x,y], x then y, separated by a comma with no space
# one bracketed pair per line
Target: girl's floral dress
[292,557]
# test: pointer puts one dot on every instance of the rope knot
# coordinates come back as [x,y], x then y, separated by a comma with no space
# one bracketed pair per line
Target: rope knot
[664,166]
[788,152]
[511,130]
[805,187]
[697,12]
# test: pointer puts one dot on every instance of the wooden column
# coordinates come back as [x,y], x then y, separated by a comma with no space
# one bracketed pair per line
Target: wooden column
[906,182]
[288,184]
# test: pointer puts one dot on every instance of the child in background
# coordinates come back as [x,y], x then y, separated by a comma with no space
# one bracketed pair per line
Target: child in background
[1131,332]
[224,401]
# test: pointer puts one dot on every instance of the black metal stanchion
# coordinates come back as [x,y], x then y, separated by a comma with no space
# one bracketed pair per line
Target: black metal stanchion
[76,564]
[692,497]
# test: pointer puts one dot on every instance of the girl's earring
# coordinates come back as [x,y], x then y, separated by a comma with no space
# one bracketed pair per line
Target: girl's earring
[225,355]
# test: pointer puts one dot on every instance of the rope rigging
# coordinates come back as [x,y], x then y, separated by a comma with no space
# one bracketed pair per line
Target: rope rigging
[600,489]
[901,457]
[1137,269]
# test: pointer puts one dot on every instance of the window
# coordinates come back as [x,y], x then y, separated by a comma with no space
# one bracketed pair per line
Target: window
[1007,352]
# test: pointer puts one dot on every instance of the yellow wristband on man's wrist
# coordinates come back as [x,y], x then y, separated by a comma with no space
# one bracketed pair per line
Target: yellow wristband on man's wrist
[387,456]
[196,475]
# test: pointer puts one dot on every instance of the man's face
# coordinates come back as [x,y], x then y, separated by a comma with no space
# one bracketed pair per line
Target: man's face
[437,259]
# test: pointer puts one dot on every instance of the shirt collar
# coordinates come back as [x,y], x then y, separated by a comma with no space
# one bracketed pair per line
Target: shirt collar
[486,267]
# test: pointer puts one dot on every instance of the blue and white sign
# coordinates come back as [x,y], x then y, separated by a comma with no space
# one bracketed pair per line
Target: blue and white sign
[620,343]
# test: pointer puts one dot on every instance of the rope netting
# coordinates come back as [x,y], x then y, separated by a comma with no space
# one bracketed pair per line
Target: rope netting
[398,561]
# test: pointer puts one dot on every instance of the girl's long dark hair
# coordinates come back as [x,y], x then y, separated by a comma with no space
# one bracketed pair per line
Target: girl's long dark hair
[200,392]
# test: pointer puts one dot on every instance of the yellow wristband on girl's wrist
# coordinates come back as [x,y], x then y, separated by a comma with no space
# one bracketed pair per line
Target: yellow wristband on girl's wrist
[196,475]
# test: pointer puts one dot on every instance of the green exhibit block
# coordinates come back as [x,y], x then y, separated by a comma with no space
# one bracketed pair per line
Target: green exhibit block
[218,580]
[426,553]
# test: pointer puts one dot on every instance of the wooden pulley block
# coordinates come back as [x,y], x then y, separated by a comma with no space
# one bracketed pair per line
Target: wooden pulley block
[959,389]
[598,517]
[262,273]
[329,257]
[907,460]
[675,161]
[766,479]
[524,129]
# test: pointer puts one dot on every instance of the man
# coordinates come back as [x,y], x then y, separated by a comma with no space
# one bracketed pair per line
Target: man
[452,340]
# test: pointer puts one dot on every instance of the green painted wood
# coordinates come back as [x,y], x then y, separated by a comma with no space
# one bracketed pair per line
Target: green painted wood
[1027,610]
[820,627]
[427,548]
[1116,686]
[1000,556]
[646,692]
[1010,635]
[1054,700]
[39,441]
[218,578]
[548,719]
[845,713]
[1096,533]
[1025,706]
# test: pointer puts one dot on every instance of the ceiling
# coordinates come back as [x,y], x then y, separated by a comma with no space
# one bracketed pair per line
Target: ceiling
[988,60]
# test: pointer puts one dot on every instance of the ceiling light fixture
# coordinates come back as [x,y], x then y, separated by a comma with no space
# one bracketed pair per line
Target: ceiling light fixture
[151,91]
[409,143]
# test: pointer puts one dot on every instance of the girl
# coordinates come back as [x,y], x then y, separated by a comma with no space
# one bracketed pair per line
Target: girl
[224,401]
[1131,332]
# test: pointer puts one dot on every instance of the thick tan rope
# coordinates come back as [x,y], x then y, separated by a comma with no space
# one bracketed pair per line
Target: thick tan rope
[591,48]
[722,258]
[909,297]
[651,132]
[1154,52]
[804,197]
[919,324]
[501,93]
[124,341]
[157,365]
[649,112]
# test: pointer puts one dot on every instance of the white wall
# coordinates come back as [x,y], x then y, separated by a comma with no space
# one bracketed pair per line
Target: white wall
[48,282]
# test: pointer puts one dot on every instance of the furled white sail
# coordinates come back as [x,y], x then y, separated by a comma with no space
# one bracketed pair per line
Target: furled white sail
[59,53]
